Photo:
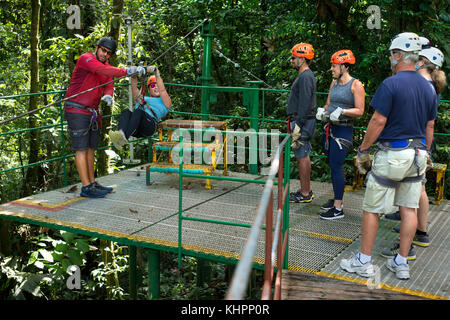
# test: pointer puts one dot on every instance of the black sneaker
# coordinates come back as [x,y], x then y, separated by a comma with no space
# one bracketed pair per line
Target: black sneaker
[393,216]
[332,214]
[91,192]
[297,197]
[100,187]
[390,253]
[328,205]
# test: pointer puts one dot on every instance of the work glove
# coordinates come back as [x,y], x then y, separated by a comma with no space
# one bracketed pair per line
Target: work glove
[429,160]
[140,71]
[295,137]
[153,70]
[320,115]
[363,161]
[108,99]
[334,116]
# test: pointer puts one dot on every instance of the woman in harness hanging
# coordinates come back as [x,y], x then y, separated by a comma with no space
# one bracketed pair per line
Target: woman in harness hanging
[344,103]
[143,121]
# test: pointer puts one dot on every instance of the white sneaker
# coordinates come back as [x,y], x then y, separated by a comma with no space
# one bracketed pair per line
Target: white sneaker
[401,271]
[118,139]
[354,265]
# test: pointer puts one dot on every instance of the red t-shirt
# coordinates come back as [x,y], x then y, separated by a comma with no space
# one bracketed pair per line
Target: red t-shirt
[89,73]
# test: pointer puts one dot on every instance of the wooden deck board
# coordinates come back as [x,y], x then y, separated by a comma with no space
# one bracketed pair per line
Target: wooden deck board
[305,286]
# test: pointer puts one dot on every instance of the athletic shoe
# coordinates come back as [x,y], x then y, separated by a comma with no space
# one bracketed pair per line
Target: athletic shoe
[118,139]
[354,265]
[328,205]
[100,187]
[332,214]
[401,271]
[91,192]
[298,197]
[421,240]
[390,253]
[393,216]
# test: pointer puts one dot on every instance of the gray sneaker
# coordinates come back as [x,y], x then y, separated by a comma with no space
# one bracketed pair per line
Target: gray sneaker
[421,240]
[401,271]
[118,139]
[390,253]
[353,265]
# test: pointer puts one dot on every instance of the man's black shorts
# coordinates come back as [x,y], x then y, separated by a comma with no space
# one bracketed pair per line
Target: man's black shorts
[83,133]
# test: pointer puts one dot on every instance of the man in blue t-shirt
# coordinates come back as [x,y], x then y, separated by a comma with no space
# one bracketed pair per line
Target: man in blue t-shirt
[143,121]
[404,112]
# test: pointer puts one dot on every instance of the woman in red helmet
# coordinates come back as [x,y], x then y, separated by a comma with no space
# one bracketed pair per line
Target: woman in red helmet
[344,103]
[143,121]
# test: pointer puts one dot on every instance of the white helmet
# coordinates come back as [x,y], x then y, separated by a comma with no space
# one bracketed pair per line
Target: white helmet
[425,43]
[406,41]
[434,55]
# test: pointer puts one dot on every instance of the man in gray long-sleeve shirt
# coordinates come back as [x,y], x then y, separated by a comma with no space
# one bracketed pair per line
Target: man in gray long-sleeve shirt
[301,112]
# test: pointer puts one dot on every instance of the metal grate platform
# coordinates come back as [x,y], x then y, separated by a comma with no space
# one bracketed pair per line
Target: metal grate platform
[148,216]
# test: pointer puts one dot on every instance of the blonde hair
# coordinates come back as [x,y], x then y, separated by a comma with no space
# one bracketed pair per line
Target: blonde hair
[437,76]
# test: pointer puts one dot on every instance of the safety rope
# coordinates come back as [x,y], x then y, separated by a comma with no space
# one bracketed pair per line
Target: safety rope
[99,86]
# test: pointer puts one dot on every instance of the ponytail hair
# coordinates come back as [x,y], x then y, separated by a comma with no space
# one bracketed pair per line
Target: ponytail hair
[437,76]
[439,80]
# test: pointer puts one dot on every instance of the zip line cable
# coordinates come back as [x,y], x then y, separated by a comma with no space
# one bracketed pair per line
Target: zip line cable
[99,86]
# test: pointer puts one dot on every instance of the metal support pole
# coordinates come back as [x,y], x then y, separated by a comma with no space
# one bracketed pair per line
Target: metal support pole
[63,143]
[203,272]
[153,274]
[132,273]
[287,178]
[254,122]
[129,23]
[206,67]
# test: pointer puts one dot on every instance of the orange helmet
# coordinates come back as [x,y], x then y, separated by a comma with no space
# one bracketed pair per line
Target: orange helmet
[303,50]
[343,56]
[151,79]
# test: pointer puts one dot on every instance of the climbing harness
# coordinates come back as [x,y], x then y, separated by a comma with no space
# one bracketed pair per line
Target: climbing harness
[399,145]
[340,141]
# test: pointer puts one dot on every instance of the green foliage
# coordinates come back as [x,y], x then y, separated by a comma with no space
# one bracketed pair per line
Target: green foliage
[255,35]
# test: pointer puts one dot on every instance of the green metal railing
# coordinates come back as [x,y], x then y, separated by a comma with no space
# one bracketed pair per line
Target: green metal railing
[202,176]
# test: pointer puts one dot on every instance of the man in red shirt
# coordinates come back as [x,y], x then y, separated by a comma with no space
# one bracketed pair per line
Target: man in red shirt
[81,111]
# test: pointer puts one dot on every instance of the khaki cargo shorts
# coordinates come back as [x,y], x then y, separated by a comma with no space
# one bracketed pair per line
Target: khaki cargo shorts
[394,165]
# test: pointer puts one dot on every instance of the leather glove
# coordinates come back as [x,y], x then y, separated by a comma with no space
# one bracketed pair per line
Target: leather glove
[153,70]
[363,161]
[429,160]
[140,71]
[108,99]
[334,116]
[320,114]
[295,137]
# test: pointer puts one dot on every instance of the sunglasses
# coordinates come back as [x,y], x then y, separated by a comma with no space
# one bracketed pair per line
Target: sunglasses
[108,52]
[152,85]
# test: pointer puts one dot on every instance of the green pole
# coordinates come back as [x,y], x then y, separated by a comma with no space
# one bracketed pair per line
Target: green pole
[287,179]
[203,272]
[132,273]
[153,274]
[206,67]
[63,144]
[180,198]
[254,123]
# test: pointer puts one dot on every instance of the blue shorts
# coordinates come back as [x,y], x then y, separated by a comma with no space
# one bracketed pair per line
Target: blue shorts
[83,134]
[303,151]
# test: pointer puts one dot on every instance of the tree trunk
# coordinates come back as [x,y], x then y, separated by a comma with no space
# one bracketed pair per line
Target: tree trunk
[103,158]
[32,172]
